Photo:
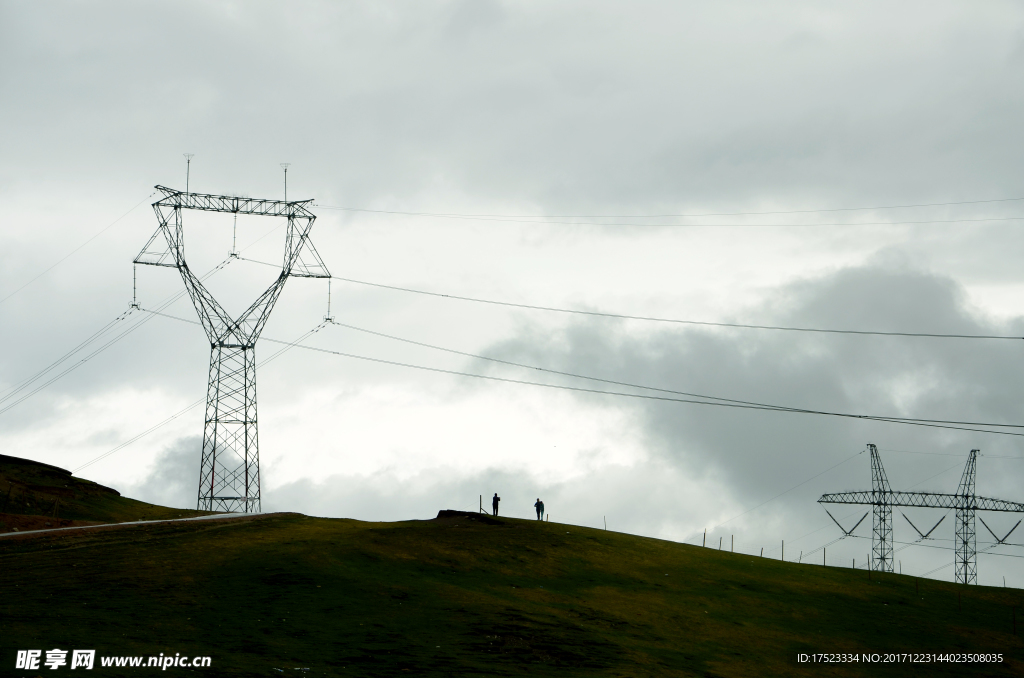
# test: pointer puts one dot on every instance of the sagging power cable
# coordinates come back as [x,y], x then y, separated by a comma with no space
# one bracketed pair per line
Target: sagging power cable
[7,398]
[195,404]
[784,408]
[678,321]
[72,252]
[463,215]
[696,399]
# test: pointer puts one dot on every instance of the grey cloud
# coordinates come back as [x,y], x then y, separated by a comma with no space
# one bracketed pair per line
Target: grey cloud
[558,106]
[759,454]
[639,499]
[174,479]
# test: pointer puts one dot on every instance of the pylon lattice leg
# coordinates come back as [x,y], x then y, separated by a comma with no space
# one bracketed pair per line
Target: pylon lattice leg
[881,538]
[881,522]
[966,544]
[966,547]
[229,478]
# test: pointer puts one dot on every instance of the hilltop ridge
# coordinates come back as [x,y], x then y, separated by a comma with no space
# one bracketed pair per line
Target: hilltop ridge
[463,594]
[34,496]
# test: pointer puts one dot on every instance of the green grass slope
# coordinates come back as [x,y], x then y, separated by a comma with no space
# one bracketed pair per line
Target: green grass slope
[38,496]
[468,596]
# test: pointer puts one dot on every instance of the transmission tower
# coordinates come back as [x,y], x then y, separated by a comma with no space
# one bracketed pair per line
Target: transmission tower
[966,543]
[229,478]
[881,518]
[965,502]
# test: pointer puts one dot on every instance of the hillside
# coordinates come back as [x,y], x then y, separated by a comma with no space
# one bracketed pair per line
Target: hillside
[35,496]
[467,595]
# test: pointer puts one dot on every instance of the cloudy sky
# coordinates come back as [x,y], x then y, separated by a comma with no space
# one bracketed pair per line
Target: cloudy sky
[540,154]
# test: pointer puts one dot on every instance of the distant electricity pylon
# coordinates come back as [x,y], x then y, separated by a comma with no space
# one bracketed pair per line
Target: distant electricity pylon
[965,502]
[229,478]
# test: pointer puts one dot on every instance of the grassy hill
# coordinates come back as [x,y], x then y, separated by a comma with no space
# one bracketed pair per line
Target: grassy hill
[471,595]
[36,496]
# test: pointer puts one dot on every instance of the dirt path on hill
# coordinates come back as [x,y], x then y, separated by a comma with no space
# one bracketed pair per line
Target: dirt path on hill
[219,516]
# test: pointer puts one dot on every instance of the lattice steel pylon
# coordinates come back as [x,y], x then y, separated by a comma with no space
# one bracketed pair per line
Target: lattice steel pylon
[881,518]
[965,503]
[229,478]
[966,538]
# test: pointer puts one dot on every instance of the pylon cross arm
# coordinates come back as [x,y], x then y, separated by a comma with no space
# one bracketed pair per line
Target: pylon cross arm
[924,500]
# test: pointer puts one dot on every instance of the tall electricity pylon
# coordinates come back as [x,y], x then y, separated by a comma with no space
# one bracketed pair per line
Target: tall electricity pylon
[966,544]
[229,478]
[881,523]
[965,502]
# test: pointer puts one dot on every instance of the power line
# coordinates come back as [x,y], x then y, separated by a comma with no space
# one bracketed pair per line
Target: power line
[161,305]
[653,388]
[548,222]
[678,321]
[665,216]
[621,316]
[738,515]
[189,407]
[705,399]
[771,408]
[771,549]
[950,454]
[38,375]
[922,482]
[142,321]
[69,254]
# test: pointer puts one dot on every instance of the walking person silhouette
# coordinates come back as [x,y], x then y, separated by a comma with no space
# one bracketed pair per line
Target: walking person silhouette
[540,509]
[494,503]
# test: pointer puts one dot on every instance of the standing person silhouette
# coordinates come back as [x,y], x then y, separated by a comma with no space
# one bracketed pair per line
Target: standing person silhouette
[540,509]
[494,503]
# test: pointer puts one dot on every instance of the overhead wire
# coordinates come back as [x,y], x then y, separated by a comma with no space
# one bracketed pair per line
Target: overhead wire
[622,316]
[160,306]
[894,420]
[190,407]
[951,454]
[74,366]
[654,388]
[665,216]
[704,399]
[550,222]
[69,254]
[804,482]
[38,375]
